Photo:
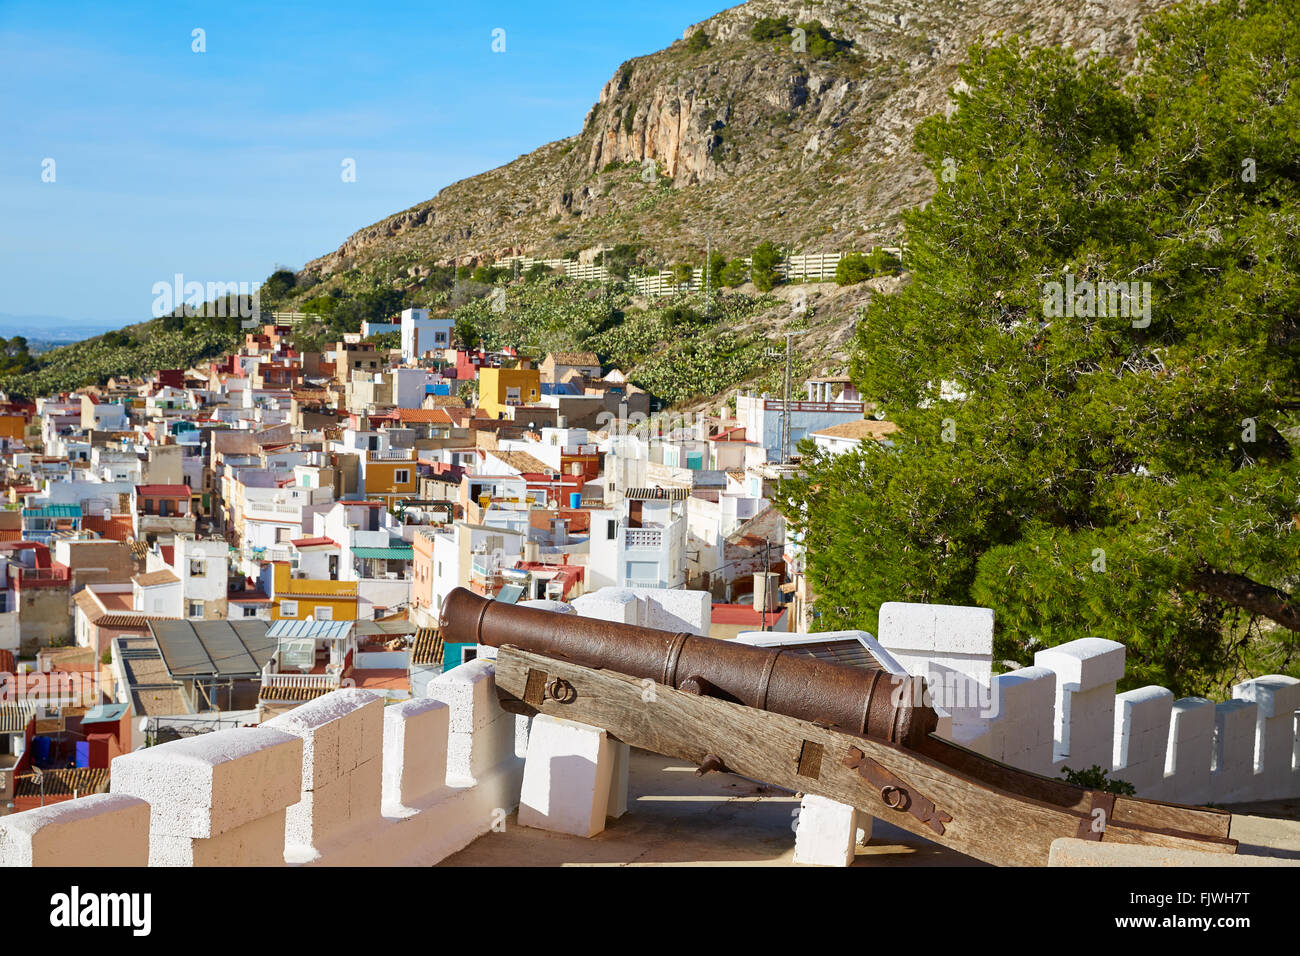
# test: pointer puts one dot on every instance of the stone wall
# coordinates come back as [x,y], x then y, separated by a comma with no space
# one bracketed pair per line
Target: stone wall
[341,780]
[344,780]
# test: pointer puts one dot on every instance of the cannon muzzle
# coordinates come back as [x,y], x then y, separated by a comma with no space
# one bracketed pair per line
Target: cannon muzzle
[781,680]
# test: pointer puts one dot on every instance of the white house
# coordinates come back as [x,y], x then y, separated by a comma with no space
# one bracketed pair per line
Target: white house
[203,568]
[641,542]
[159,593]
[847,436]
[422,335]
[764,418]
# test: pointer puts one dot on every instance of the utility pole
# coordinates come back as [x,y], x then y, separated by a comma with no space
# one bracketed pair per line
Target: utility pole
[766,545]
[708,254]
[785,404]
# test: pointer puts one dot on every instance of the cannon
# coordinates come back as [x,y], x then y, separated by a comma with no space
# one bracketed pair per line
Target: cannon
[859,735]
[873,701]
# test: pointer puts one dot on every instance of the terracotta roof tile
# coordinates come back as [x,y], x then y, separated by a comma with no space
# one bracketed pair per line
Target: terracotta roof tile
[165,576]
[866,428]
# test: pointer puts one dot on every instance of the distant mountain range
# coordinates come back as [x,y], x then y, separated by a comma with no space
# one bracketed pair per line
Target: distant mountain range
[55,329]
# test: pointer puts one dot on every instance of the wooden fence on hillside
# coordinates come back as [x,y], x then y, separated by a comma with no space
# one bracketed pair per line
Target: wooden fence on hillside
[808,267]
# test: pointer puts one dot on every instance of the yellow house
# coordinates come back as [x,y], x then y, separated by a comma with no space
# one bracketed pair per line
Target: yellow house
[500,388]
[306,599]
[390,478]
[13,426]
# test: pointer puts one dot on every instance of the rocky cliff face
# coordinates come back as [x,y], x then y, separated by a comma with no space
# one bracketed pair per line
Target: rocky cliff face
[741,141]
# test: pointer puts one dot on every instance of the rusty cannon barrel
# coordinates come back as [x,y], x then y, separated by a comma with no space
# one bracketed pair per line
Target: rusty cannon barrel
[871,702]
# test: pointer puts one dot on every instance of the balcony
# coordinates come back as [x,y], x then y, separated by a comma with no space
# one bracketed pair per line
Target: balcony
[484,568]
[325,682]
[776,405]
[21,577]
[273,509]
[642,539]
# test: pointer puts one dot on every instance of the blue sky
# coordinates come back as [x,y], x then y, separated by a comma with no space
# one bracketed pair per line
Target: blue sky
[221,165]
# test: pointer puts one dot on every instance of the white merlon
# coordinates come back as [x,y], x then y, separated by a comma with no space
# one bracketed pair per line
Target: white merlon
[1085,664]
[342,736]
[107,829]
[481,732]
[415,767]
[568,777]
[1191,748]
[1142,719]
[1021,730]
[1277,744]
[1233,770]
[669,609]
[1086,672]
[209,787]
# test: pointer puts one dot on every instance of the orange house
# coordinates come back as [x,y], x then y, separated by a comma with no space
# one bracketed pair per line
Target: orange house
[12,426]
[391,478]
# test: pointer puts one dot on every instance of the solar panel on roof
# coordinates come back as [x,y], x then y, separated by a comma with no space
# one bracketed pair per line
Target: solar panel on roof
[213,648]
[510,593]
[181,650]
[839,652]
[225,648]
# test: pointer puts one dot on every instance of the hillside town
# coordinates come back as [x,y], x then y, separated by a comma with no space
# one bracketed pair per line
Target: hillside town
[209,547]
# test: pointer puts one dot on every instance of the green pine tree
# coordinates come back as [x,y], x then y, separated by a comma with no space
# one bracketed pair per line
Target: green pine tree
[1128,476]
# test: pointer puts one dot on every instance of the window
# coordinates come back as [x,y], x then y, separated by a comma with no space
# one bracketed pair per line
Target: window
[323,613]
[610,530]
[401,476]
[198,568]
[250,611]
[289,609]
[196,609]
[282,535]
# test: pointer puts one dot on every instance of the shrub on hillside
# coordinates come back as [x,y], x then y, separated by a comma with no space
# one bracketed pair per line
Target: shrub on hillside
[698,42]
[770,28]
[763,266]
[734,273]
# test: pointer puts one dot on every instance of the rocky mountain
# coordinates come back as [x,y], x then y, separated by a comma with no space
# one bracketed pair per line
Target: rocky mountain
[804,140]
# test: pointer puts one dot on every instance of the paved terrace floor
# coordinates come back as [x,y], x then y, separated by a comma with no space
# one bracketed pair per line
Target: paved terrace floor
[675,817]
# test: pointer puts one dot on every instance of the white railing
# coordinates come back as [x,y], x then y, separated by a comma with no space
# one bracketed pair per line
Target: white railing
[776,405]
[272,509]
[317,681]
[393,454]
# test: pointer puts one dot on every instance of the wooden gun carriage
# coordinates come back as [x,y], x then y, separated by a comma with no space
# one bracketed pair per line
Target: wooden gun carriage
[861,736]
